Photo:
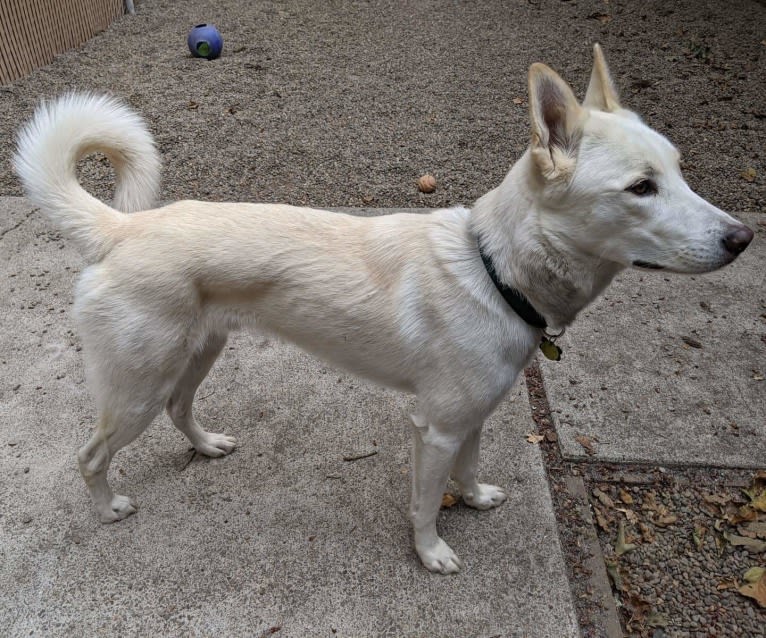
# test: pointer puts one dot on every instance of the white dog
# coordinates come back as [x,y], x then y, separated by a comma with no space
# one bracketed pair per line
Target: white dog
[450,306]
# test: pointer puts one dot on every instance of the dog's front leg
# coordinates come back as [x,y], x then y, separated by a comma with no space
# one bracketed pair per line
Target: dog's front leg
[179,405]
[481,496]
[434,453]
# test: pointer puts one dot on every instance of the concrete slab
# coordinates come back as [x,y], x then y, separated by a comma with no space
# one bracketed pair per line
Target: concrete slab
[282,533]
[669,369]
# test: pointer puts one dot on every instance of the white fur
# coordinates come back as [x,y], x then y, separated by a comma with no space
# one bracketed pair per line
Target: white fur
[403,299]
[63,132]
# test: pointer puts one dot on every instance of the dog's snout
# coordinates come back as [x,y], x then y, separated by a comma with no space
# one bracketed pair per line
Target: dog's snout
[738,239]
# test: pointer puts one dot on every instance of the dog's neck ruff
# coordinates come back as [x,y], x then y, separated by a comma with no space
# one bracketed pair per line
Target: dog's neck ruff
[515,299]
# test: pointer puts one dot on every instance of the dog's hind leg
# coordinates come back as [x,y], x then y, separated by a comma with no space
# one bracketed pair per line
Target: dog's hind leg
[116,428]
[179,406]
[434,453]
[131,376]
[478,495]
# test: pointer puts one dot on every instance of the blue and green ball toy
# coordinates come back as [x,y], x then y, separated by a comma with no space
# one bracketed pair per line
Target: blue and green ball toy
[205,42]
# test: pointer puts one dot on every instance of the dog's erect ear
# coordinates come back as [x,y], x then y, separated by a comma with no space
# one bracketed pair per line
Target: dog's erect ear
[556,119]
[601,94]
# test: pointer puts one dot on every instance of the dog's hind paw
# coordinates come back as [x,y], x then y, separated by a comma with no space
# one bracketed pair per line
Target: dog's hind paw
[484,497]
[213,444]
[118,508]
[440,558]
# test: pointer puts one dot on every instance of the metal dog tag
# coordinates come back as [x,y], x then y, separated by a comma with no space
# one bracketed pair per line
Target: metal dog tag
[550,350]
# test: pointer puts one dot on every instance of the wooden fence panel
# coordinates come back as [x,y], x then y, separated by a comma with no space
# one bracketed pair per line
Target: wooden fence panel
[33,32]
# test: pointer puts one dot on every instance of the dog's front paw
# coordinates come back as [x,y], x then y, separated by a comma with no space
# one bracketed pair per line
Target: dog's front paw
[213,444]
[440,558]
[484,497]
[118,508]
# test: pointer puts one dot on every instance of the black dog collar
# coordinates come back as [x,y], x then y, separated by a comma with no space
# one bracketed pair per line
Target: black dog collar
[513,297]
[521,306]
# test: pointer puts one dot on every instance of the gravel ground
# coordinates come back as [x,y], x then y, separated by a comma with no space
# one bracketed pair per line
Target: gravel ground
[681,578]
[347,103]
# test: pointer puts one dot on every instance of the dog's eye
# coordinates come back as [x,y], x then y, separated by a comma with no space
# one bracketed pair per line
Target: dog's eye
[643,188]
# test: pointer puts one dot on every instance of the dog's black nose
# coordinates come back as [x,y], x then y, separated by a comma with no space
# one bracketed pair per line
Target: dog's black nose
[737,240]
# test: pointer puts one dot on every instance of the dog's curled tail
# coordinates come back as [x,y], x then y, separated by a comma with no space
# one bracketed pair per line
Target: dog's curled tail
[67,129]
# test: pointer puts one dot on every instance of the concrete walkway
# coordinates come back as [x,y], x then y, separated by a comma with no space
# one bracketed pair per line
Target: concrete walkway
[286,537]
[669,370]
[282,534]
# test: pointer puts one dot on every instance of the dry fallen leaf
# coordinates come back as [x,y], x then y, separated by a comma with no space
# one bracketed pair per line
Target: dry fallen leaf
[750,544]
[603,498]
[518,100]
[614,575]
[758,528]
[743,531]
[749,174]
[448,500]
[649,502]
[757,492]
[603,18]
[755,585]
[601,520]
[720,544]
[647,533]
[534,438]
[622,546]
[665,520]
[638,609]
[726,583]
[735,515]
[657,619]
[625,497]
[658,513]
[716,499]
[586,443]
[698,535]
[629,514]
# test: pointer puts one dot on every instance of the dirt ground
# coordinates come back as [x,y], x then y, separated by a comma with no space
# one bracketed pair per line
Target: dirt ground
[348,103]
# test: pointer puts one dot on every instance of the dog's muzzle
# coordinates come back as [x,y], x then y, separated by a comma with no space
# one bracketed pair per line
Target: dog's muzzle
[736,239]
